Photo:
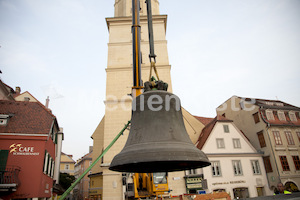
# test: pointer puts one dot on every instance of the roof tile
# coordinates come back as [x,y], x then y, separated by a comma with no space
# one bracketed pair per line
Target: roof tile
[26,117]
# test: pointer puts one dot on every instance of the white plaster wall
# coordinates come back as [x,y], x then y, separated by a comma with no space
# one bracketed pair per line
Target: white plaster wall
[227,179]
[218,132]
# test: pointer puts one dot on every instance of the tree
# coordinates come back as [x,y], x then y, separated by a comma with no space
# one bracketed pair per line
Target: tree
[65,180]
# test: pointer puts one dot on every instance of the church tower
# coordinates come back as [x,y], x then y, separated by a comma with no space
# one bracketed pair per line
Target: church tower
[106,184]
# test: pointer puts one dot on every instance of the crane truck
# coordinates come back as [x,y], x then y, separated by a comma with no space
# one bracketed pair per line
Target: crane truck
[144,185]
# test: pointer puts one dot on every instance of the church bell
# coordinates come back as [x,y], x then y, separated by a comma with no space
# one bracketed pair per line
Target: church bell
[158,140]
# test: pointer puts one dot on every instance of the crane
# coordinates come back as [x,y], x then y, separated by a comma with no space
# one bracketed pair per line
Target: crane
[145,184]
[154,183]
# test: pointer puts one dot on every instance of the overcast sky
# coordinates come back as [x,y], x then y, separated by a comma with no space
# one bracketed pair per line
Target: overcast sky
[217,49]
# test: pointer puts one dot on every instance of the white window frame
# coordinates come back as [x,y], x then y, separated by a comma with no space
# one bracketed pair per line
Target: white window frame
[270,115]
[67,166]
[226,128]
[3,122]
[237,168]
[255,167]
[281,115]
[277,137]
[220,143]
[236,143]
[46,162]
[52,171]
[289,137]
[49,166]
[216,169]
[292,116]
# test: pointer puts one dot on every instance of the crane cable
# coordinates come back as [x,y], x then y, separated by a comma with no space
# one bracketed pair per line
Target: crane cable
[152,66]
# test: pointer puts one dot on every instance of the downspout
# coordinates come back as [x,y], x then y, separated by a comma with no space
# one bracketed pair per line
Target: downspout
[268,126]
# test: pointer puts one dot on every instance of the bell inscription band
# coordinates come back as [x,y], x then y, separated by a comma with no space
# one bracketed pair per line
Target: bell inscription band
[158,141]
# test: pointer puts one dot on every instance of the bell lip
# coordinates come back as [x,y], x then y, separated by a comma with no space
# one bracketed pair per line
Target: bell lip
[159,152]
[121,163]
[159,166]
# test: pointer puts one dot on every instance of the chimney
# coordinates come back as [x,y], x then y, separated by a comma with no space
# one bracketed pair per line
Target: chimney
[47,102]
[90,149]
[18,90]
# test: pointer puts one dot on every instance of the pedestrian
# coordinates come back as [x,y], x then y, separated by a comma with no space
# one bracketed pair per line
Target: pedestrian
[281,190]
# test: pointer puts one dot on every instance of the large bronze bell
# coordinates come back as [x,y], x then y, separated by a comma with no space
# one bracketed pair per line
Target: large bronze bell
[158,141]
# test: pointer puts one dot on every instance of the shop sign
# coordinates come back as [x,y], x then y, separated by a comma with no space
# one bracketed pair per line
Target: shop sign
[192,186]
[19,149]
[229,182]
[194,180]
[93,192]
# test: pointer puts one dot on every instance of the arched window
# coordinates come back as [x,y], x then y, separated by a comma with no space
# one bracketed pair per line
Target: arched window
[290,186]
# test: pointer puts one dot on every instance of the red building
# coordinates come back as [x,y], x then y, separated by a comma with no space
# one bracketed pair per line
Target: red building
[28,133]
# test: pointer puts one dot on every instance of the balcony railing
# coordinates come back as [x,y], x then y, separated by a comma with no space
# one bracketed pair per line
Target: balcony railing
[9,177]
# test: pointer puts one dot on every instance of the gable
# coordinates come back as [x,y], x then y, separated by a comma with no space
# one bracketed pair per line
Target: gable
[66,159]
[217,132]
[192,125]
[23,96]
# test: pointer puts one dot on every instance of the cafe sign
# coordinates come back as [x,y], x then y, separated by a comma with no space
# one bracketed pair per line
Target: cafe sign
[20,150]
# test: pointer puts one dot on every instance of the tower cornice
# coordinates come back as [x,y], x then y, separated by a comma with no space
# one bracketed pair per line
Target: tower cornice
[111,20]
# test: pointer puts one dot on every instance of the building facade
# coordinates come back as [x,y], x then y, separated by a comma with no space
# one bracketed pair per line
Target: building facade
[16,129]
[273,128]
[236,166]
[28,141]
[67,164]
[82,189]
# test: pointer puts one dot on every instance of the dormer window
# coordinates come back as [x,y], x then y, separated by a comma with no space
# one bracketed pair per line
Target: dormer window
[3,120]
[269,114]
[292,116]
[281,116]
